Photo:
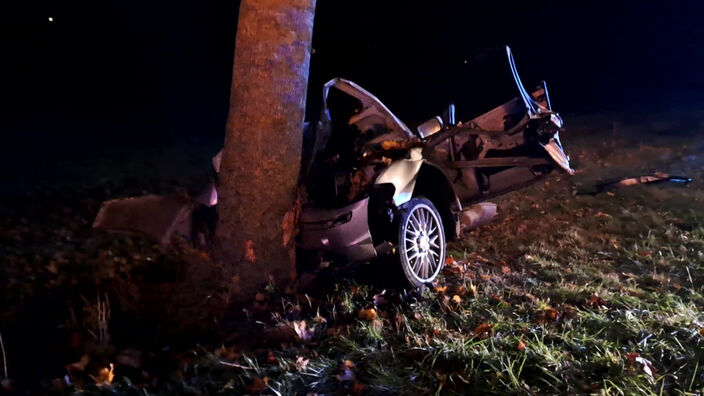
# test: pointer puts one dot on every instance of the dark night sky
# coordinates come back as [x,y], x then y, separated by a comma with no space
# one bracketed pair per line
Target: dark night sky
[108,69]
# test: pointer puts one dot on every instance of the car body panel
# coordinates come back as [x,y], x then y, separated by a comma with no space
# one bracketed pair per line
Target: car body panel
[344,230]
[402,175]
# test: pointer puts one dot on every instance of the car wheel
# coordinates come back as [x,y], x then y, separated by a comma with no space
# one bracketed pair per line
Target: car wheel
[421,242]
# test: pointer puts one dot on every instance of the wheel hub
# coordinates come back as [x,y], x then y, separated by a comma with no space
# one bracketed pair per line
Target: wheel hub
[424,242]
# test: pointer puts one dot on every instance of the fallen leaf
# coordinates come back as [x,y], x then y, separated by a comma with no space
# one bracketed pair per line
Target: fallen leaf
[449,260]
[105,376]
[79,365]
[301,363]
[367,314]
[505,270]
[456,299]
[301,328]
[345,371]
[482,329]
[319,319]
[249,251]
[548,314]
[359,388]
[596,301]
[52,267]
[258,385]
[521,345]
[227,353]
[440,289]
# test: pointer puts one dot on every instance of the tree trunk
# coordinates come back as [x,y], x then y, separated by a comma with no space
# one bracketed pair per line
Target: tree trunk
[262,154]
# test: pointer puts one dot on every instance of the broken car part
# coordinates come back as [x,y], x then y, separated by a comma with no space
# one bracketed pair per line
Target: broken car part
[655,177]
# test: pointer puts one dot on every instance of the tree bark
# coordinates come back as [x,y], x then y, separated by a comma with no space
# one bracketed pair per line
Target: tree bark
[262,153]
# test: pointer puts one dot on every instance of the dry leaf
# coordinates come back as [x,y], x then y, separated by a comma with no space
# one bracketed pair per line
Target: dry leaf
[548,314]
[79,365]
[482,329]
[596,301]
[52,267]
[456,299]
[258,385]
[249,251]
[521,345]
[271,358]
[105,376]
[505,270]
[301,328]
[345,371]
[367,314]
[449,260]
[359,388]
[301,363]
[319,319]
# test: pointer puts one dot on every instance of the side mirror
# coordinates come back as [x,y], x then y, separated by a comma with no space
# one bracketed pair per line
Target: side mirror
[430,127]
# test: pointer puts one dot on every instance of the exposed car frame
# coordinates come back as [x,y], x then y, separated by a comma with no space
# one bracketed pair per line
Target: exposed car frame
[437,176]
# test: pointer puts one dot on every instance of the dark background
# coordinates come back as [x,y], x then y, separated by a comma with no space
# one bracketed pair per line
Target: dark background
[108,72]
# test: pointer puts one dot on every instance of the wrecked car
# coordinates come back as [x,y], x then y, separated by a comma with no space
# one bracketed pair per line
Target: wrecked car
[376,188]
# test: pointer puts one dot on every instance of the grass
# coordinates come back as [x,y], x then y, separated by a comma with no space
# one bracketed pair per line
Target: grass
[564,293]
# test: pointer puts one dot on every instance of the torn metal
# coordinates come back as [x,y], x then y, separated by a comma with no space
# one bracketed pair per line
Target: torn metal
[156,216]
[655,177]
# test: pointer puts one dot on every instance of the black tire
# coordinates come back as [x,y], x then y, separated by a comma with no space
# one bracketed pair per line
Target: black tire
[421,242]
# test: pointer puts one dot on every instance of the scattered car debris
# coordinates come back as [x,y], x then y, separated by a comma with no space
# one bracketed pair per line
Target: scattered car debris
[156,216]
[655,177]
[375,187]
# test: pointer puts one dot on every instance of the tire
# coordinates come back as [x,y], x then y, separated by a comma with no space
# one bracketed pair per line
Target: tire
[421,242]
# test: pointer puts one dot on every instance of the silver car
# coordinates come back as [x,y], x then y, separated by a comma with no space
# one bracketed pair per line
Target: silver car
[377,188]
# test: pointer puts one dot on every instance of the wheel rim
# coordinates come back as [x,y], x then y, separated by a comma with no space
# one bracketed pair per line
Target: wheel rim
[423,243]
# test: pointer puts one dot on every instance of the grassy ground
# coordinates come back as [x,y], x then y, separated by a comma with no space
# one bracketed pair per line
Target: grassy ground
[566,292]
